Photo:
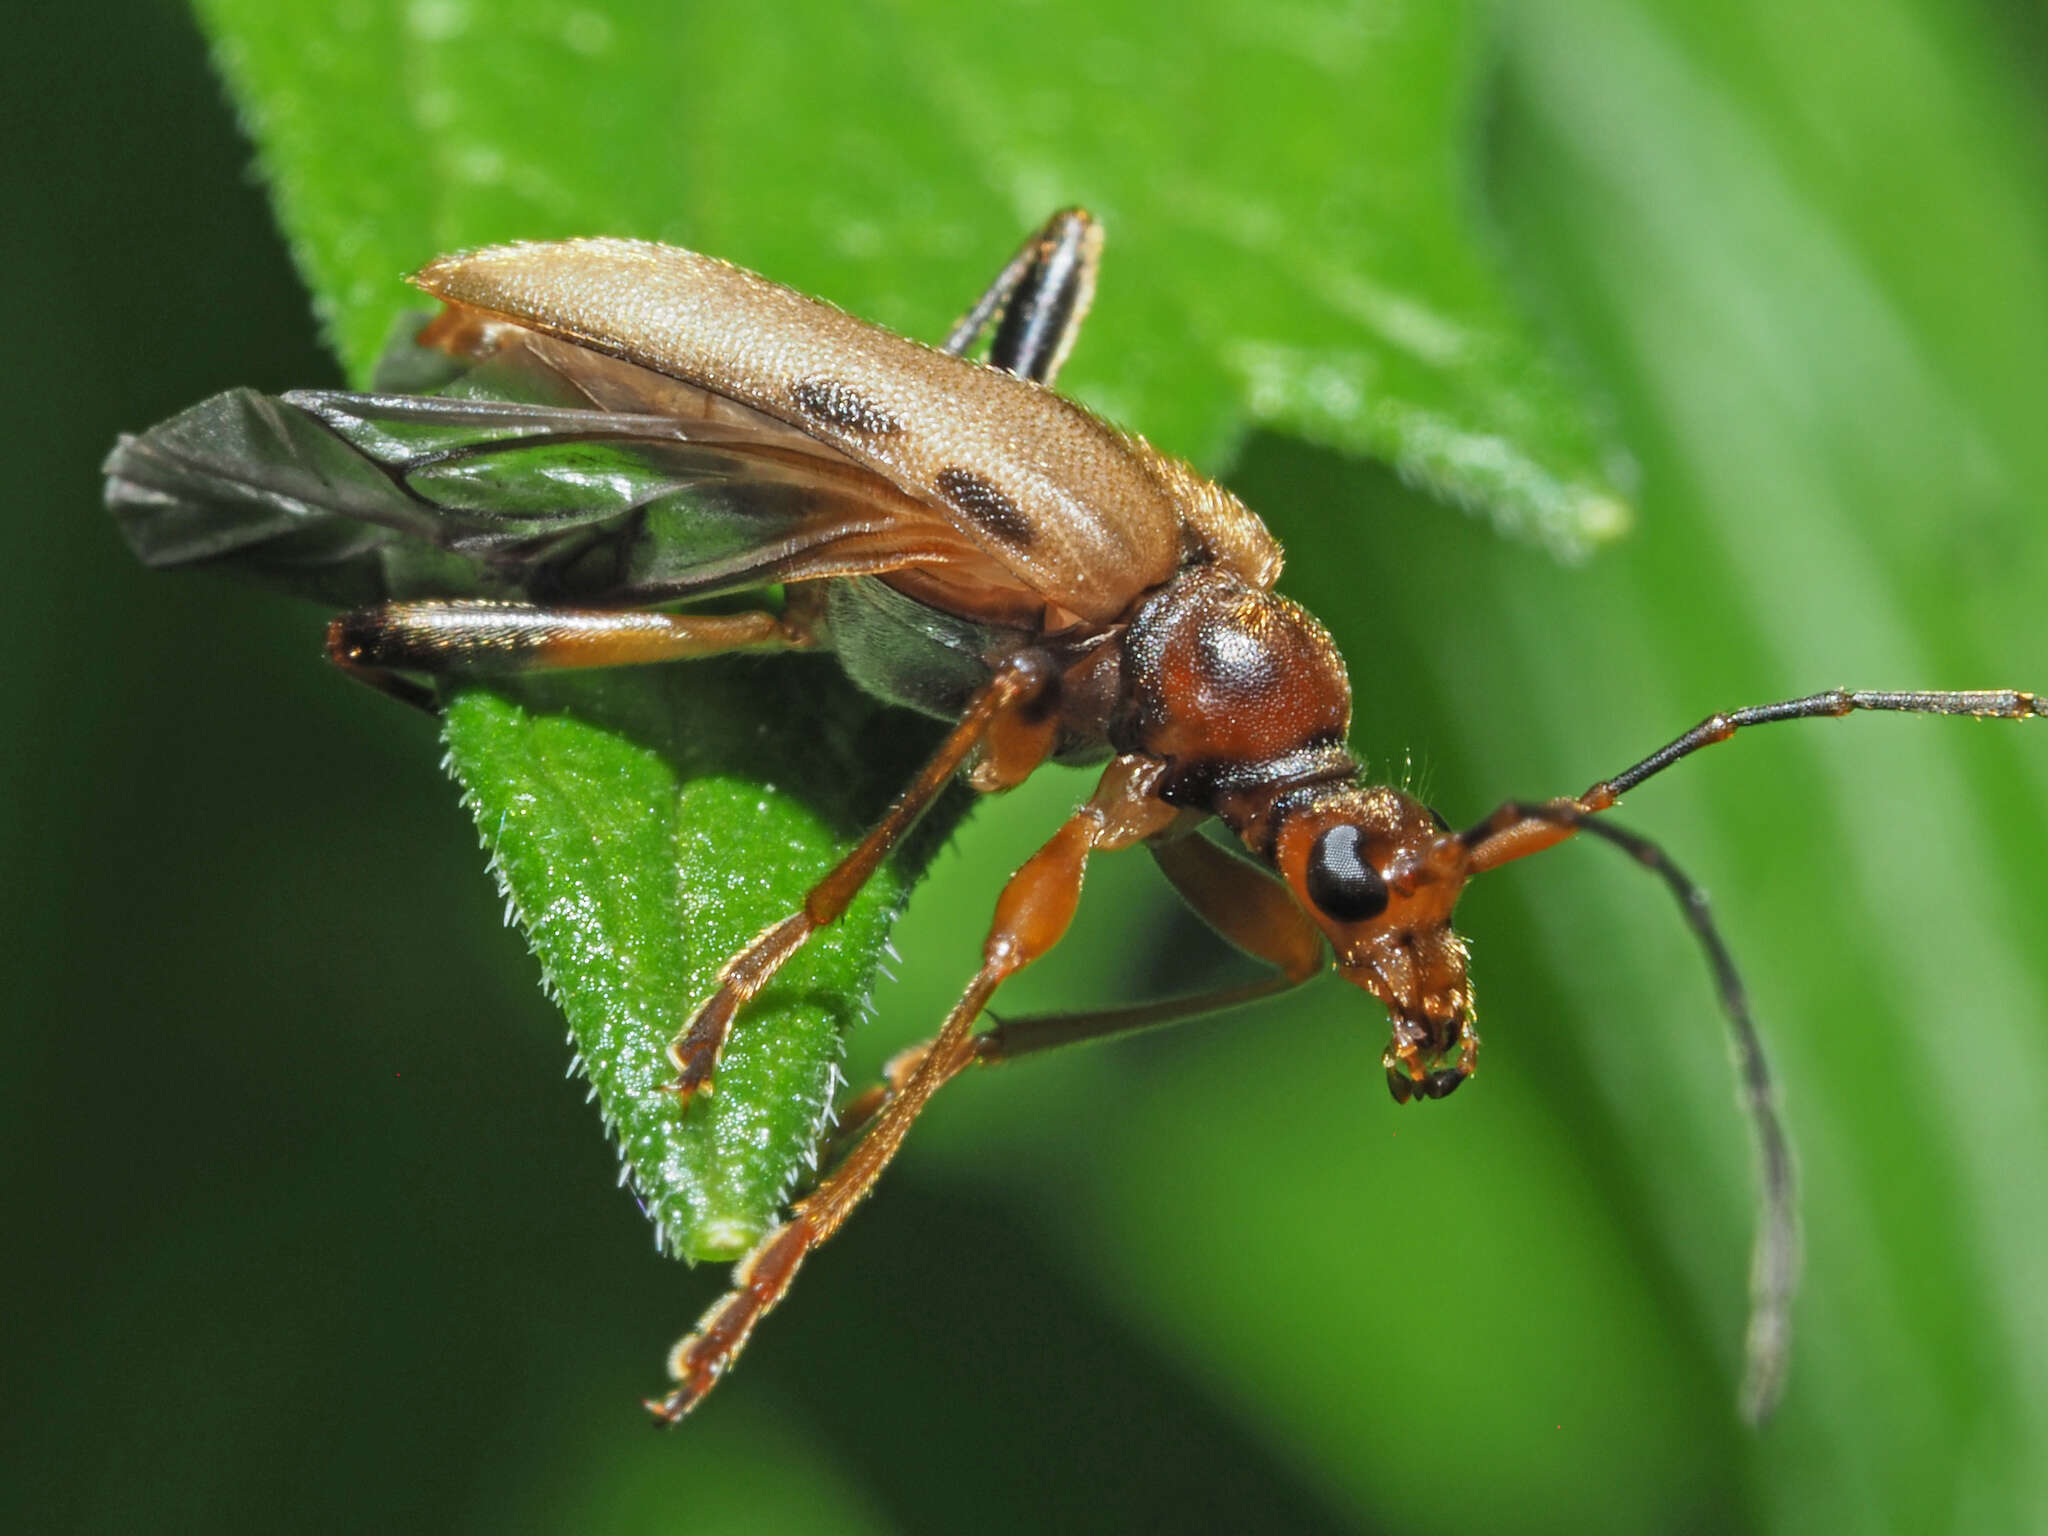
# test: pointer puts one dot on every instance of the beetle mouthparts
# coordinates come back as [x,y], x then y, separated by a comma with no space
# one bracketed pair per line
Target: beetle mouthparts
[1428,1058]
[1440,1084]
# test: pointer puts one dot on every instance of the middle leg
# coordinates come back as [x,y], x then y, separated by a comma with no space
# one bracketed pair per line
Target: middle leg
[1017,705]
[1038,301]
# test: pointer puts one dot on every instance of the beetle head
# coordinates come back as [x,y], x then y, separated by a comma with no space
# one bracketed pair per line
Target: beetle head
[1379,872]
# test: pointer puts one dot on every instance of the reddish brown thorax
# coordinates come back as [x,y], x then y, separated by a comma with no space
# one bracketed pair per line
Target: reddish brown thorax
[1235,689]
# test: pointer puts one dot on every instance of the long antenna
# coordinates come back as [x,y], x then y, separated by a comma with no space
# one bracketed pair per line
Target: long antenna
[1519,828]
[1774,1261]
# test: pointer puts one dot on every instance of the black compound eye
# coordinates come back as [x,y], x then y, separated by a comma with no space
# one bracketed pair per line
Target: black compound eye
[1340,881]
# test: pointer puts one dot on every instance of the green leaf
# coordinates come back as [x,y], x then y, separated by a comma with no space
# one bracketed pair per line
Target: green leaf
[1323,273]
[637,851]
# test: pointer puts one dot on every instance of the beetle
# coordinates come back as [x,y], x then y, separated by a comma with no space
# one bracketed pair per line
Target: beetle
[624,427]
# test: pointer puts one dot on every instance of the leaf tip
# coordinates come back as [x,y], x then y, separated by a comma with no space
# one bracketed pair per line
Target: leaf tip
[722,1239]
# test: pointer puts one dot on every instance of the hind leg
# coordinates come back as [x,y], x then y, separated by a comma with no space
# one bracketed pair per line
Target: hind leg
[477,638]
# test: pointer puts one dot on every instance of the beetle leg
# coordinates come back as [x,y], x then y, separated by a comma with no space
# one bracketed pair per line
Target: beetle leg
[1235,897]
[1008,1039]
[1038,301]
[478,638]
[1031,916]
[1023,688]
[1240,901]
[858,1112]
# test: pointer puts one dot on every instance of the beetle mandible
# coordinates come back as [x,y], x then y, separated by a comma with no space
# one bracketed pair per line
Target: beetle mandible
[971,545]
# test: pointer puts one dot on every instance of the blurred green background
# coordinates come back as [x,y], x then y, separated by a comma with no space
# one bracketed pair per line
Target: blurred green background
[308,1230]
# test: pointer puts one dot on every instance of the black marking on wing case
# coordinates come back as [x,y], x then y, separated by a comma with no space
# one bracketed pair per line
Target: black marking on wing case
[834,403]
[986,505]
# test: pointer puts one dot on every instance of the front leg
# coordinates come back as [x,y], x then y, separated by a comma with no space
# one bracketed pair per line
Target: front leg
[1031,916]
[1239,900]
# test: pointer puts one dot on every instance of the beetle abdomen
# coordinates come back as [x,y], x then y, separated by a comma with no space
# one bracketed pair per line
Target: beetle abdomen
[909,653]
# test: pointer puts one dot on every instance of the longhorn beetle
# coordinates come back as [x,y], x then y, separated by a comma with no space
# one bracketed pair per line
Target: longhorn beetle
[970,545]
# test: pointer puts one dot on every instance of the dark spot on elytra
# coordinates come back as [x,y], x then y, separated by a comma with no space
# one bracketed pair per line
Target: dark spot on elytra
[986,504]
[835,403]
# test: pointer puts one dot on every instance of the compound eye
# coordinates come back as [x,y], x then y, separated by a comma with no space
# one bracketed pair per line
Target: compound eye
[1340,881]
